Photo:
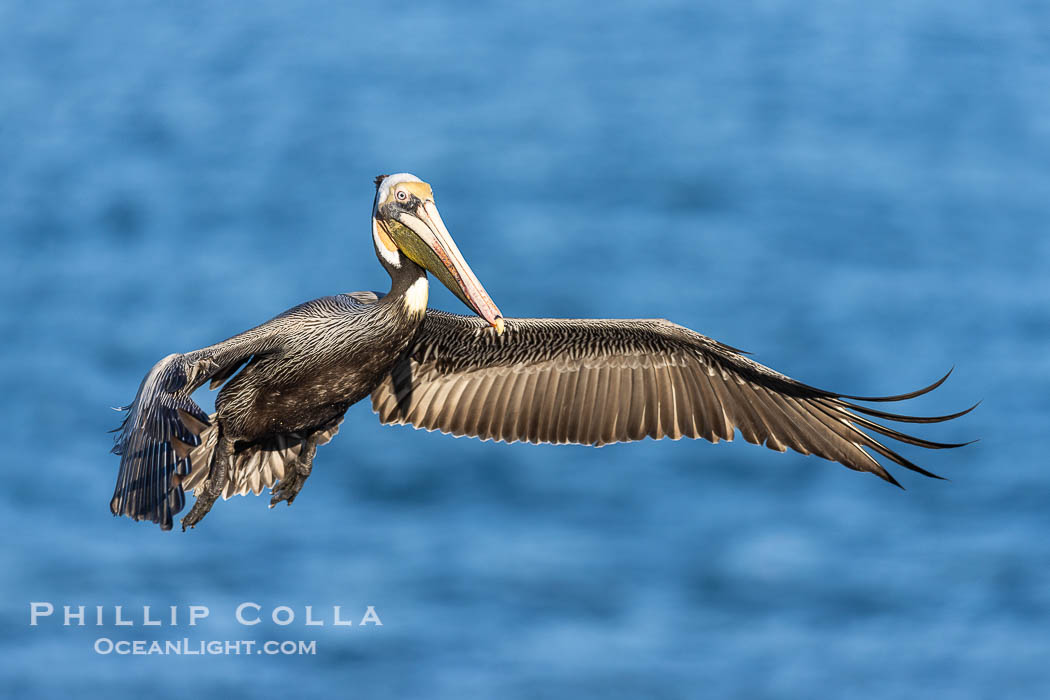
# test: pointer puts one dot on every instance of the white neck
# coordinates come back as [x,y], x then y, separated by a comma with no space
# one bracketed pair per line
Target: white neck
[392,257]
[416,296]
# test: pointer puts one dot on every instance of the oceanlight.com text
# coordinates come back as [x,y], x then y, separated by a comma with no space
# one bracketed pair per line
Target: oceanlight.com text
[188,647]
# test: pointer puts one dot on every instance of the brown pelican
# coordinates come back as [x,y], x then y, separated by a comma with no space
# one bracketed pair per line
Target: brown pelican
[535,380]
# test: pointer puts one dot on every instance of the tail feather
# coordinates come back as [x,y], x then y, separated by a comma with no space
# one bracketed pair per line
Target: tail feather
[253,468]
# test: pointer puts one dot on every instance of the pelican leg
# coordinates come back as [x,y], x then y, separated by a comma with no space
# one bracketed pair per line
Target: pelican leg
[296,474]
[214,485]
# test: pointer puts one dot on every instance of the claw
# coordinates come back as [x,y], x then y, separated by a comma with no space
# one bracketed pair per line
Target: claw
[288,488]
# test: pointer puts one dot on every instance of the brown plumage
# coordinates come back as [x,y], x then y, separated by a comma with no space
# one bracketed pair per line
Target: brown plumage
[286,384]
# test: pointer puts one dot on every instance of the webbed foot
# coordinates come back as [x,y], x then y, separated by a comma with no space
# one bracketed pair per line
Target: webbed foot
[295,476]
[201,507]
[213,486]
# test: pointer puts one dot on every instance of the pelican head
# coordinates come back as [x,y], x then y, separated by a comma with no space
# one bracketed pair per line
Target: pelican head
[405,220]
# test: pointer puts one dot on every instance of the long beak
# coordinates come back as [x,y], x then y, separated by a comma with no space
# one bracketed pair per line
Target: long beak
[435,250]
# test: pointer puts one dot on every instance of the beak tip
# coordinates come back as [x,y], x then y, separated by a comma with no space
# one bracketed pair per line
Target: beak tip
[498,325]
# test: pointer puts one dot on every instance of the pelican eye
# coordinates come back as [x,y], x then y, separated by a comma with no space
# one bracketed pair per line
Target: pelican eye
[402,195]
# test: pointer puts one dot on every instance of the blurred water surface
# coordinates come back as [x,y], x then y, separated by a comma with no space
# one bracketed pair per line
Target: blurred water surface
[859,195]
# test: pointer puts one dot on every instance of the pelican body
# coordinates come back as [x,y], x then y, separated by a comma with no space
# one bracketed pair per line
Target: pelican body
[287,383]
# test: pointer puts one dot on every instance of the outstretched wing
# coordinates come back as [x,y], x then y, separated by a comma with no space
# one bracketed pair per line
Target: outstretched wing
[163,426]
[166,440]
[602,381]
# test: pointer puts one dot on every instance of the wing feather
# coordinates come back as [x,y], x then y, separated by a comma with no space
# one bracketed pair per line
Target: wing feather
[614,386]
[146,443]
[595,382]
[635,408]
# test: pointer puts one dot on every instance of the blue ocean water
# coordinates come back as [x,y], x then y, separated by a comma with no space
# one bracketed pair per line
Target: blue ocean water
[857,194]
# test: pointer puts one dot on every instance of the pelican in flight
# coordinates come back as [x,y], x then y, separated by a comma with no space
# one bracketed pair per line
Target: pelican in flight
[287,383]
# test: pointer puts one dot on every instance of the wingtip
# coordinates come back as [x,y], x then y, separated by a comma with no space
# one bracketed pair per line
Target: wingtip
[901,397]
